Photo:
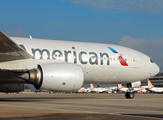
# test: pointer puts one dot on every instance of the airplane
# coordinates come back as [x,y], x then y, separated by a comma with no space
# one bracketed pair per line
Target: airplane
[124,89]
[153,88]
[82,90]
[143,89]
[121,88]
[112,90]
[57,65]
[98,90]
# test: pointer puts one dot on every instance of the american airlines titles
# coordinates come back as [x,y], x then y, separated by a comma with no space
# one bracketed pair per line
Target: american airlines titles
[93,57]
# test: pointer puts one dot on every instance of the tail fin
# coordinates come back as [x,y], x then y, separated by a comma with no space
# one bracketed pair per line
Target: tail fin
[150,84]
[120,86]
[92,87]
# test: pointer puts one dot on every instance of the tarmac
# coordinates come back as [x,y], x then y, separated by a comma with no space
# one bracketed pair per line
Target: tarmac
[80,106]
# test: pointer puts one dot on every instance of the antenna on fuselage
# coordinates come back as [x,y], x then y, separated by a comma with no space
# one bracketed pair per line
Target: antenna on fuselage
[30,36]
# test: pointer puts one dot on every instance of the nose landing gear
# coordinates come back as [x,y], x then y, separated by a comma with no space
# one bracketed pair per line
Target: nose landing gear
[129,94]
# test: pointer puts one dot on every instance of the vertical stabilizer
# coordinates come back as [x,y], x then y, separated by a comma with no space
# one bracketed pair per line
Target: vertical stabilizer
[150,84]
[92,87]
[120,86]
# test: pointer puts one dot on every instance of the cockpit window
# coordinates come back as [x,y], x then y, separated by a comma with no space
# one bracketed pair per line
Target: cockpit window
[151,61]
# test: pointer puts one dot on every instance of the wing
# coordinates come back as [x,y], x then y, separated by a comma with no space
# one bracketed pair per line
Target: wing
[11,51]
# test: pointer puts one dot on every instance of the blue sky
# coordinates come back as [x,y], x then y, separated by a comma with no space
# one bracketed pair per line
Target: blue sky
[133,23]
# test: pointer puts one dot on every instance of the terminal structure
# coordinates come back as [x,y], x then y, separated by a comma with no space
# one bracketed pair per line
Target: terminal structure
[157,80]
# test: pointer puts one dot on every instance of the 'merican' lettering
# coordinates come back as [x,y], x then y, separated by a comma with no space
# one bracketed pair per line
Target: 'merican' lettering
[83,57]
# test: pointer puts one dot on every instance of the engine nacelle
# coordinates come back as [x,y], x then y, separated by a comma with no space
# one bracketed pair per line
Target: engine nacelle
[8,87]
[65,77]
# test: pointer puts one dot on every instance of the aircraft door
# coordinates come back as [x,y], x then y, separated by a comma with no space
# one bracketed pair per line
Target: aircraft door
[135,61]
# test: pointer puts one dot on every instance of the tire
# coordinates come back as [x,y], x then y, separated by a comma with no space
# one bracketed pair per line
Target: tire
[129,95]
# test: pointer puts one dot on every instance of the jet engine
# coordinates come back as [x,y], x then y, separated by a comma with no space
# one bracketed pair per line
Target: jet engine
[65,77]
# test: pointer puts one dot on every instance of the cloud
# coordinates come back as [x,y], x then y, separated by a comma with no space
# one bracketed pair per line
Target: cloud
[152,47]
[142,44]
[15,33]
[148,6]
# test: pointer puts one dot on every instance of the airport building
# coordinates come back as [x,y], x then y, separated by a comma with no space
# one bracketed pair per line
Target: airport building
[157,81]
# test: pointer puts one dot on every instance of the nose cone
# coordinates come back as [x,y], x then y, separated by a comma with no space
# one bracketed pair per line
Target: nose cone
[154,70]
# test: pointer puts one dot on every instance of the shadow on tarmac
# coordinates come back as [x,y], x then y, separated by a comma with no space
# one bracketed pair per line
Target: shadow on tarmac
[31,99]
[147,115]
[69,116]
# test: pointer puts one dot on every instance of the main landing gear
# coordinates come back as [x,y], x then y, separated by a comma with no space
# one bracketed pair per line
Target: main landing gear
[129,94]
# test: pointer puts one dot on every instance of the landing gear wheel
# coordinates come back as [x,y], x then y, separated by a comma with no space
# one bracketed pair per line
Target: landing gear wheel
[129,95]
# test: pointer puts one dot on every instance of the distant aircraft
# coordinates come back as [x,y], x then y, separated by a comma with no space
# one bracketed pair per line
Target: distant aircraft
[123,89]
[143,89]
[83,90]
[153,88]
[56,65]
[112,90]
[98,90]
